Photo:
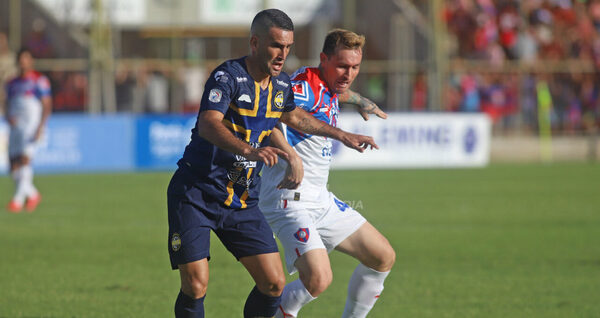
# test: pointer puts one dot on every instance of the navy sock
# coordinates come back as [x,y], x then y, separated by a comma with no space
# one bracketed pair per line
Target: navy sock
[187,307]
[260,305]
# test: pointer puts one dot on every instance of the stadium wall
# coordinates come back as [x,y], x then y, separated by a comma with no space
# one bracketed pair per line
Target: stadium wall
[107,143]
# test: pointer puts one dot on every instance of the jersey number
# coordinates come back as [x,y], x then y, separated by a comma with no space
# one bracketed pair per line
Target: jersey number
[340,204]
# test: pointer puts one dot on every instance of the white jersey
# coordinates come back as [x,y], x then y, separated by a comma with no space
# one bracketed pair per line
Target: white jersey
[312,95]
[24,101]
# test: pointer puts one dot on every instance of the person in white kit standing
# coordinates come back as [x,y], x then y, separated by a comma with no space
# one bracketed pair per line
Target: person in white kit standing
[310,221]
[28,105]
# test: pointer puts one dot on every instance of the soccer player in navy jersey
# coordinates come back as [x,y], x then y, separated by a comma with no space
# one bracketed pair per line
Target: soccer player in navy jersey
[29,103]
[309,220]
[217,183]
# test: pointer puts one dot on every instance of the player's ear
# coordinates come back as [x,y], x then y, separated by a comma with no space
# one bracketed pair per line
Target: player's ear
[323,57]
[254,44]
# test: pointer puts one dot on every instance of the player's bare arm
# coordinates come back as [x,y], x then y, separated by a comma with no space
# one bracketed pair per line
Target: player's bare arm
[300,120]
[46,110]
[211,128]
[295,170]
[365,105]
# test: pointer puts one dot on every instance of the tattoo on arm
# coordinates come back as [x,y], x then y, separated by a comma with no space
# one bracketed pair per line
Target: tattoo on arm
[350,97]
[306,126]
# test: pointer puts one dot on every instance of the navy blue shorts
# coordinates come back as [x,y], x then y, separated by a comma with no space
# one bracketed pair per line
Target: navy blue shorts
[193,213]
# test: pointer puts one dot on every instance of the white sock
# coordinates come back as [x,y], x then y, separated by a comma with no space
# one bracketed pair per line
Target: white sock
[20,186]
[294,296]
[27,175]
[364,288]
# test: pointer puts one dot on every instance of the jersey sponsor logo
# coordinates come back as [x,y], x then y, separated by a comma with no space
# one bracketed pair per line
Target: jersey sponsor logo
[282,83]
[245,98]
[302,234]
[279,100]
[215,95]
[238,176]
[175,242]
[341,205]
[220,76]
[245,164]
[241,79]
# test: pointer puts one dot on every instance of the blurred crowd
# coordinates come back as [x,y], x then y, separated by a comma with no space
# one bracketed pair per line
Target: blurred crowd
[485,36]
[525,32]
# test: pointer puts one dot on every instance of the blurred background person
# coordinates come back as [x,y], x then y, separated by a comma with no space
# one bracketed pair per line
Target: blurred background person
[7,65]
[29,104]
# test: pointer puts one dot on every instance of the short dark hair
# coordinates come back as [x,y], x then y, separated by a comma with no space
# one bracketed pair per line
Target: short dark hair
[340,38]
[269,18]
[22,51]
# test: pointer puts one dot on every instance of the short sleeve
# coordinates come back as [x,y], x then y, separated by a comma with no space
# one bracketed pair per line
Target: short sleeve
[303,95]
[218,91]
[42,87]
[290,103]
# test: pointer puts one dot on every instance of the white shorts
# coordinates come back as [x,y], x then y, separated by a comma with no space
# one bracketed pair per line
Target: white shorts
[301,229]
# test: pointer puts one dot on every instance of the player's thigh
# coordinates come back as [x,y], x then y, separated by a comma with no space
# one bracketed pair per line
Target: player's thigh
[245,232]
[370,247]
[298,235]
[338,223]
[314,269]
[17,142]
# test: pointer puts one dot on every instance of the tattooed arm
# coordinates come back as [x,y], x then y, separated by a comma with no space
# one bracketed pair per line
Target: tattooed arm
[302,121]
[365,106]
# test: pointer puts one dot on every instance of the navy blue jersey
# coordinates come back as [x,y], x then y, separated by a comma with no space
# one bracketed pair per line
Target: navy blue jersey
[250,113]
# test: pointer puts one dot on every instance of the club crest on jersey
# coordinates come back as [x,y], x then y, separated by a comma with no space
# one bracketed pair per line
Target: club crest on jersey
[215,95]
[175,242]
[298,89]
[279,100]
[302,234]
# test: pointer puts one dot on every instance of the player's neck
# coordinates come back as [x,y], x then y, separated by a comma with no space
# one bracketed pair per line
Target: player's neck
[259,76]
[24,73]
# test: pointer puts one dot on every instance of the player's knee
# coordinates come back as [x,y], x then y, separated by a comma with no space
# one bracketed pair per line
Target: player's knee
[273,286]
[194,288]
[318,282]
[386,259]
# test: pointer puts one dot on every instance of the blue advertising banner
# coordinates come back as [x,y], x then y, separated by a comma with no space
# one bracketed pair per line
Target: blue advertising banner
[161,140]
[86,143]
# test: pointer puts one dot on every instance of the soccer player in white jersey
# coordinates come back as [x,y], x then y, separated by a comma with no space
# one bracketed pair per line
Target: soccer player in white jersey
[310,221]
[28,105]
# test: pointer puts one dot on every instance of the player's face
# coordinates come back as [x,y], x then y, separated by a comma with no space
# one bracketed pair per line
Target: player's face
[26,62]
[340,70]
[273,49]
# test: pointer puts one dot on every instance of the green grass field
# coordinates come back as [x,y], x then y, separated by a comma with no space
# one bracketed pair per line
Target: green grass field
[504,241]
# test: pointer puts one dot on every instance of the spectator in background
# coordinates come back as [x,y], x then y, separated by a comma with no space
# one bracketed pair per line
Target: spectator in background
[125,83]
[157,94]
[38,40]
[419,93]
[8,67]
[71,92]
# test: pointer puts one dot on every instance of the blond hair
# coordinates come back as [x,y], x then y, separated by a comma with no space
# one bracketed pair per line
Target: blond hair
[340,38]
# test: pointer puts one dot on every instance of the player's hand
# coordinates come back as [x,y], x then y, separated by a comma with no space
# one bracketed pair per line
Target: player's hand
[38,133]
[293,174]
[12,122]
[267,154]
[369,107]
[358,142]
